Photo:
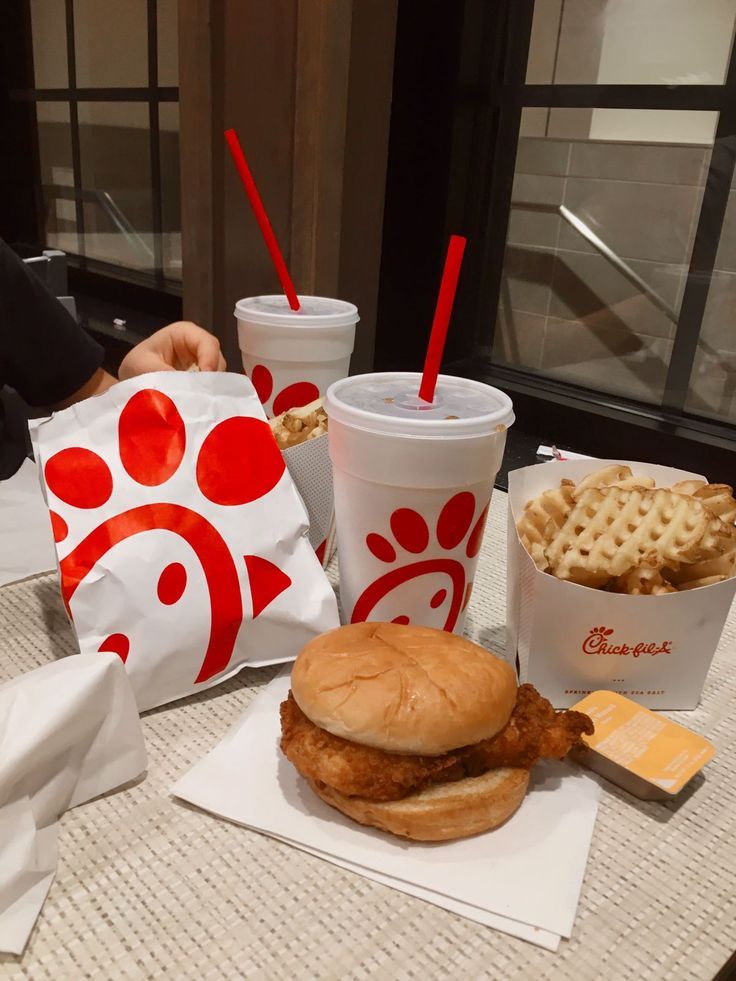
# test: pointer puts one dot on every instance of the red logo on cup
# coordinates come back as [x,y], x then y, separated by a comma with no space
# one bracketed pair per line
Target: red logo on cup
[596,643]
[292,397]
[458,531]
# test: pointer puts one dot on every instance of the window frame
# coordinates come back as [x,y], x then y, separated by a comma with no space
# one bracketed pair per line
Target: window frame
[490,87]
[108,280]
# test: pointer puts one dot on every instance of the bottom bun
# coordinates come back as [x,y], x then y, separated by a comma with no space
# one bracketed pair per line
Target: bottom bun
[441,812]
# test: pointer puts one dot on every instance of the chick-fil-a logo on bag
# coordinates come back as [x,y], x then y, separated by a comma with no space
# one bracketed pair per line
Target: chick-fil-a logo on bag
[151,442]
[597,643]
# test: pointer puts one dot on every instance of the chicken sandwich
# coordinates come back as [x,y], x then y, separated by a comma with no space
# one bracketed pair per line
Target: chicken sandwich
[417,731]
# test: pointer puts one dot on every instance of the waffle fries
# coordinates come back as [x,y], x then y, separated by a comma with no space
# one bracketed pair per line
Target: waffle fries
[298,425]
[615,530]
[543,518]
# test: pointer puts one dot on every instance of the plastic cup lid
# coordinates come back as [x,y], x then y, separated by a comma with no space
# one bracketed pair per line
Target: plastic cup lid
[387,402]
[315,311]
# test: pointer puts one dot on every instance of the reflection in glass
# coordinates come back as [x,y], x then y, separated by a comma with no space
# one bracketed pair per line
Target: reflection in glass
[168,42]
[116,183]
[644,126]
[713,380]
[599,242]
[625,42]
[111,42]
[57,176]
[48,29]
[170,199]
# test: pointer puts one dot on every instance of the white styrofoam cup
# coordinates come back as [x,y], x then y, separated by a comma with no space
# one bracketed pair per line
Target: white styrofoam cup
[413,484]
[293,356]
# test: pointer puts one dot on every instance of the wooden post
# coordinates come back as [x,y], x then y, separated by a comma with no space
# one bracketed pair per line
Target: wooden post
[196,132]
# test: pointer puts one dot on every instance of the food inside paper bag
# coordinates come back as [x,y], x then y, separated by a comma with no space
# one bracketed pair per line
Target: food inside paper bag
[302,437]
[618,531]
[298,425]
[181,540]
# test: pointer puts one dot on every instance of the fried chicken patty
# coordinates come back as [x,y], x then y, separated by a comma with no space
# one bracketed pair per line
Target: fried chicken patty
[534,731]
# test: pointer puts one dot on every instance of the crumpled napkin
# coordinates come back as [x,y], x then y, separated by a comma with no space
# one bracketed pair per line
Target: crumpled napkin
[26,541]
[69,731]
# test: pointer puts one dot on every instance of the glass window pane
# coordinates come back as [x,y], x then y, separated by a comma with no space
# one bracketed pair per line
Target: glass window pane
[111,43]
[599,243]
[625,42]
[540,69]
[116,181]
[642,126]
[57,176]
[170,201]
[168,42]
[713,380]
[48,27]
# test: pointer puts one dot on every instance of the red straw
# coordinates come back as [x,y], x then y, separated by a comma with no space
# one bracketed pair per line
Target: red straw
[261,217]
[442,314]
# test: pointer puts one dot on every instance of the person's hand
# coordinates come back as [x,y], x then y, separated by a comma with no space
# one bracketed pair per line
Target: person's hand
[176,347]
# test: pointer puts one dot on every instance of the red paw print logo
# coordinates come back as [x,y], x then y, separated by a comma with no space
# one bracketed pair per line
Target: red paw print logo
[603,631]
[237,464]
[442,579]
[291,397]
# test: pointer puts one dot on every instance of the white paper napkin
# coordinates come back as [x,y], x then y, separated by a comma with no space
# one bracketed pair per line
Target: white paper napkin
[529,871]
[26,542]
[542,938]
[69,731]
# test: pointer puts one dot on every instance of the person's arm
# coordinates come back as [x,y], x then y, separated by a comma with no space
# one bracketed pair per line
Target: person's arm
[52,363]
[175,347]
[44,354]
[96,385]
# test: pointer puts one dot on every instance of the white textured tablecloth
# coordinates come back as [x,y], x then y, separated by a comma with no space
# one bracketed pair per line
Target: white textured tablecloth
[149,888]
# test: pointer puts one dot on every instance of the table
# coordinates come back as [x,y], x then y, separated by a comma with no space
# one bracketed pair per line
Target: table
[150,888]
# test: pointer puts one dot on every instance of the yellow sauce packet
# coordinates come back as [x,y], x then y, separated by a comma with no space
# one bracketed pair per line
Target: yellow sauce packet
[639,750]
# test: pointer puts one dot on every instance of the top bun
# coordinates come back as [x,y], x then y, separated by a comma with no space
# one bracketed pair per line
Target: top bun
[403,689]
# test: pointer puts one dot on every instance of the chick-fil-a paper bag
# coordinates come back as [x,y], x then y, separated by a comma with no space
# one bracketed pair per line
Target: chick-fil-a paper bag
[181,539]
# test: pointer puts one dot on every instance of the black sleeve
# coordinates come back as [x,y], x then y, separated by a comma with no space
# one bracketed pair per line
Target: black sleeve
[44,354]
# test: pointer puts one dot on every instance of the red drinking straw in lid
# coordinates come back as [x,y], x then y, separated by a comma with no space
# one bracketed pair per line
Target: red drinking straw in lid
[442,313]
[261,217]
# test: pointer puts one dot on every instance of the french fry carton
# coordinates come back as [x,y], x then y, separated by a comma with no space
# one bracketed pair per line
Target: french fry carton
[181,539]
[570,640]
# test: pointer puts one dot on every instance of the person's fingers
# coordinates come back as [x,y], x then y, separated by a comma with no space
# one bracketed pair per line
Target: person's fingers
[208,352]
[175,347]
[193,345]
[142,360]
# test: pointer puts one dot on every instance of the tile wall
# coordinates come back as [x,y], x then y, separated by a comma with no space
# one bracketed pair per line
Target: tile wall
[567,312]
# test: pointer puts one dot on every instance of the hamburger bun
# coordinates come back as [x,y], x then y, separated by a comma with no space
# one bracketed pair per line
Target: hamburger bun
[403,689]
[440,812]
